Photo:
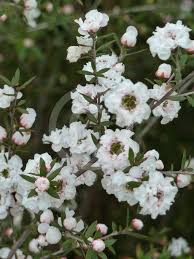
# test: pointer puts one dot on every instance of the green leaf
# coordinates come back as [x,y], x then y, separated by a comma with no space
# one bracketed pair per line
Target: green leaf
[32,193]
[16,78]
[131,156]
[88,99]
[26,83]
[83,72]
[91,117]
[22,110]
[112,250]
[43,170]
[106,45]
[68,246]
[5,79]
[190,100]
[133,184]
[91,254]
[51,191]
[28,178]
[102,255]
[110,242]
[54,174]
[94,139]
[114,226]
[91,229]
[178,98]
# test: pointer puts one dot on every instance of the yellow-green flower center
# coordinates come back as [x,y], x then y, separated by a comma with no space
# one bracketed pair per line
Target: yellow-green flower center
[117,148]
[129,102]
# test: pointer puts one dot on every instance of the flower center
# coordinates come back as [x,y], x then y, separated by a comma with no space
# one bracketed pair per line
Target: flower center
[117,148]
[129,102]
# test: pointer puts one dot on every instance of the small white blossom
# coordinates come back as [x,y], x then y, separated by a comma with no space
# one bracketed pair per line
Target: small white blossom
[98,245]
[168,38]
[183,180]
[53,235]
[168,109]
[137,224]
[164,71]
[21,138]
[47,217]
[129,38]
[113,152]
[7,95]
[3,133]
[42,184]
[75,52]
[129,102]
[156,195]
[27,119]
[178,247]
[94,20]
[102,228]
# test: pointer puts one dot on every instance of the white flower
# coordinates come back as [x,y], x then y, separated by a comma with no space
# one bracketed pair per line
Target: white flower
[94,20]
[7,95]
[168,38]
[34,246]
[43,228]
[183,180]
[156,195]
[47,217]
[98,245]
[27,119]
[3,17]
[3,133]
[129,102]
[31,12]
[116,184]
[168,109]
[21,138]
[75,52]
[129,38]
[42,240]
[113,152]
[70,223]
[137,224]
[178,247]
[102,228]
[53,235]
[80,104]
[80,140]
[88,178]
[112,77]
[42,184]
[164,71]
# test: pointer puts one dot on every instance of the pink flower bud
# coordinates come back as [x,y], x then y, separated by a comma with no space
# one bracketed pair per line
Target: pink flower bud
[21,138]
[8,232]
[27,119]
[129,38]
[47,217]
[3,18]
[42,184]
[164,71]
[42,240]
[3,134]
[183,180]
[98,245]
[191,48]
[70,223]
[49,7]
[137,224]
[102,228]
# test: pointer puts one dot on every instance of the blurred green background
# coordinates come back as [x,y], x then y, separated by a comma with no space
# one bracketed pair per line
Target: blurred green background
[41,51]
